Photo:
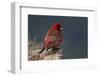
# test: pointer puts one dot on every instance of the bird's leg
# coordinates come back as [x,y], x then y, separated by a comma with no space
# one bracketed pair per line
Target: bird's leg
[48,50]
[55,49]
[45,52]
[42,50]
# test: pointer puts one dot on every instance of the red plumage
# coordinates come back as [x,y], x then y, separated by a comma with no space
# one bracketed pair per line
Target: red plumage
[53,38]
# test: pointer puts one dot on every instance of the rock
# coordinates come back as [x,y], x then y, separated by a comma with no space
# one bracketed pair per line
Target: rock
[35,47]
[49,55]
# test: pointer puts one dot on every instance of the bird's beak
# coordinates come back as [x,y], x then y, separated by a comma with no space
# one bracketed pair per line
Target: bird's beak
[61,29]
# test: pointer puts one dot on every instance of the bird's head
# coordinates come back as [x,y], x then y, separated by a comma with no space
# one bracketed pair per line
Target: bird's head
[57,26]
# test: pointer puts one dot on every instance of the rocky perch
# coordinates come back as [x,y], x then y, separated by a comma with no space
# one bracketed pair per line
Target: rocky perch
[51,54]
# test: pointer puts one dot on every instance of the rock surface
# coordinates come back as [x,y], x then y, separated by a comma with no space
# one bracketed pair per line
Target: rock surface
[34,48]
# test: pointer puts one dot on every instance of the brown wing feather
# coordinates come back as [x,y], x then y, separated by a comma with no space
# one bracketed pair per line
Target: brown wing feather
[52,38]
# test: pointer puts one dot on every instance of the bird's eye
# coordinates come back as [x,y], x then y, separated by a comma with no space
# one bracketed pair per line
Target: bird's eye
[61,29]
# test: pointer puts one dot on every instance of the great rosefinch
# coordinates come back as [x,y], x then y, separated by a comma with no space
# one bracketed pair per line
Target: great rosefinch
[53,38]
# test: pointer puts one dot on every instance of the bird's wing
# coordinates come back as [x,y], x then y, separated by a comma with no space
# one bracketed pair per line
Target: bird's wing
[52,35]
[52,32]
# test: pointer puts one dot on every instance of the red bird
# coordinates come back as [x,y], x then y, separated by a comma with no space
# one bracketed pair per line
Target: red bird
[53,38]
